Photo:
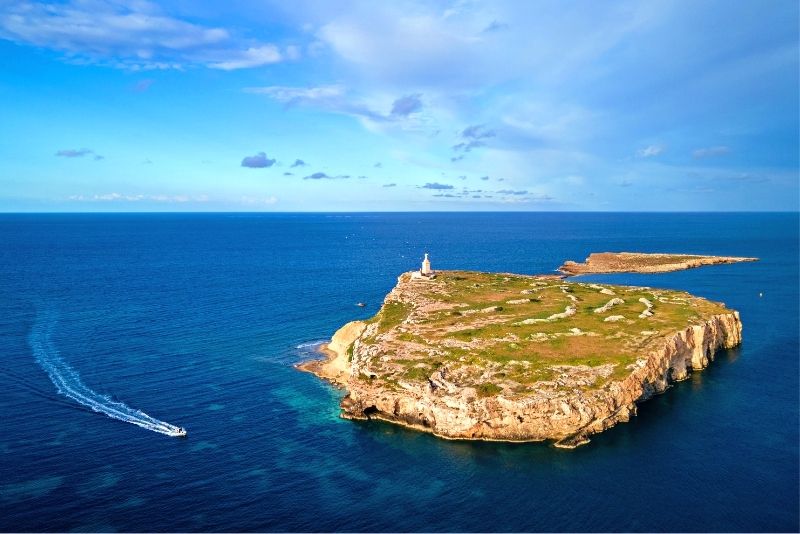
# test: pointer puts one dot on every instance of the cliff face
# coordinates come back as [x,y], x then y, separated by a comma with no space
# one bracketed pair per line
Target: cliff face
[448,410]
[577,401]
[336,368]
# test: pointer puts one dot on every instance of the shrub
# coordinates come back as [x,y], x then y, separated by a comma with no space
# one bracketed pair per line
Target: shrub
[488,389]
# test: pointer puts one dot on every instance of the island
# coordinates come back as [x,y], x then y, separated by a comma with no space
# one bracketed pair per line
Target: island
[495,356]
[639,262]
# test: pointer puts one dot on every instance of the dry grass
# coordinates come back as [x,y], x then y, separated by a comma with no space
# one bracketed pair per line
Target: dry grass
[495,347]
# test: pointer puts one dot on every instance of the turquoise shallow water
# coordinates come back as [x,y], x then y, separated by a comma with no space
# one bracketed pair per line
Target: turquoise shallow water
[196,321]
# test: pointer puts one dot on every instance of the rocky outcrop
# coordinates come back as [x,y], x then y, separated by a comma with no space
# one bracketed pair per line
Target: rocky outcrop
[567,407]
[637,262]
[450,411]
[336,367]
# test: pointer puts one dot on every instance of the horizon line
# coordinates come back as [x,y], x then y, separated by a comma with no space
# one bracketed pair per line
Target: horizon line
[321,212]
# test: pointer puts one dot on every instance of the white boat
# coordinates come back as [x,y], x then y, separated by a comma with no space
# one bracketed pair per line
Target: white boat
[180,433]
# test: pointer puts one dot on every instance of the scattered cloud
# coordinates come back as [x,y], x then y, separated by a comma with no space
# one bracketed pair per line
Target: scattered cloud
[457,158]
[73,152]
[477,131]
[378,165]
[511,192]
[298,163]
[259,161]
[484,178]
[79,153]
[406,105]
[252,57]
[711,151]
[390,185]
[473,137]
[336,99]
[332,98]
[436,185]
[121,197]
[136,35]
[258,201]
[495,26]
[299,95]
[324,176]
[650,151]
[287,173]
[625,183]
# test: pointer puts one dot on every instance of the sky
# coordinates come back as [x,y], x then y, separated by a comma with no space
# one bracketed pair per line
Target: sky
[526,105]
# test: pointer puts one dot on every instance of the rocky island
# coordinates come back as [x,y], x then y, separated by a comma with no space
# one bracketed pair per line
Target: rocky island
[639,262]
[471,355]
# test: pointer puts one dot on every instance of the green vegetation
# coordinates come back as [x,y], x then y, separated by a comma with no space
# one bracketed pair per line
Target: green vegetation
[417,373]
[488,389]
[512,329]
[392,314]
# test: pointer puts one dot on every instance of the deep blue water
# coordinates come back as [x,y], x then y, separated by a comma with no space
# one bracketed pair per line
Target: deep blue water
[197,319]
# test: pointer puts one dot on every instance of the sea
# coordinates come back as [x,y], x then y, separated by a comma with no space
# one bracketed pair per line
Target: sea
[118,329]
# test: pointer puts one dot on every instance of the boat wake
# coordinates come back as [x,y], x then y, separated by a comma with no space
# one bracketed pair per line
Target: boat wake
[69,384]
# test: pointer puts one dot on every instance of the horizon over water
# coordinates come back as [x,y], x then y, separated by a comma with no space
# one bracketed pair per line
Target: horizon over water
[118,328]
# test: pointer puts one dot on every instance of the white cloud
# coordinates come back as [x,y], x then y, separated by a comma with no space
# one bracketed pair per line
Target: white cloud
[650,151]
[135,35]
[121,197]
[258,201]
[291,95]
[413,43]
[252,57]
[711,152]
[404,111]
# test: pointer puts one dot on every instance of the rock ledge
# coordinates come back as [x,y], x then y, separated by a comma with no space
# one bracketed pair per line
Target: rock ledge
[413,365]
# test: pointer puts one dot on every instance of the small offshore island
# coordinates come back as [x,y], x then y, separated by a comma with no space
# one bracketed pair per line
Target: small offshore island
[471,355]
[639,262]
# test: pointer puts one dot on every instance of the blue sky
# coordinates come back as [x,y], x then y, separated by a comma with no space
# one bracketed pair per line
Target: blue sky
[403,105]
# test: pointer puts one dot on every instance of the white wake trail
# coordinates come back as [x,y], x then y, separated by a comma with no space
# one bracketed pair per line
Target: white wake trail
[69,384]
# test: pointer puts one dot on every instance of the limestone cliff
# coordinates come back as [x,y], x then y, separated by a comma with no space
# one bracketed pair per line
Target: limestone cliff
[564,401]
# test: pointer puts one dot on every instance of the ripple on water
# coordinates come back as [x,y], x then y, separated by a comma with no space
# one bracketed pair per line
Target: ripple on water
[133,502]
[202,446]
[99,483]
[30,489]
[94,527]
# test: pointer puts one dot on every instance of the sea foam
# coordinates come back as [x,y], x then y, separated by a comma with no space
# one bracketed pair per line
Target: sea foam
[68,382]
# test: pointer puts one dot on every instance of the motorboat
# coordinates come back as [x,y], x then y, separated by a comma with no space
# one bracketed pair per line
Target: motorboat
[180,433]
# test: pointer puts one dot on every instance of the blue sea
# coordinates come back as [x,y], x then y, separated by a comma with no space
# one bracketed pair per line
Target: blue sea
[115,329]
